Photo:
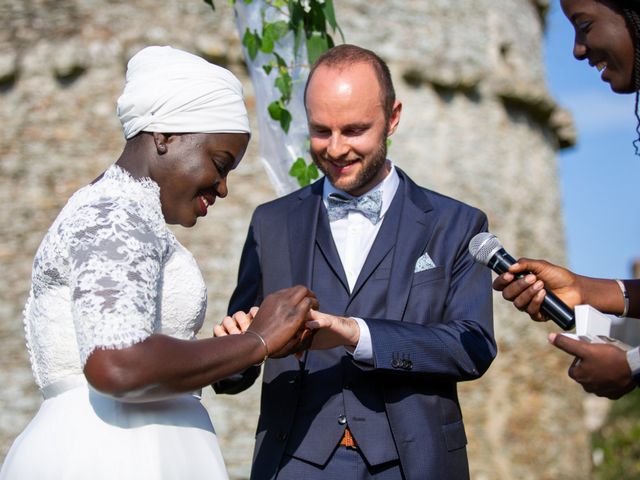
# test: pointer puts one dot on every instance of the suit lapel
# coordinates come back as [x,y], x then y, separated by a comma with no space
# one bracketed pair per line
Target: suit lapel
[414,231]
[308,224]
[302,223]
[328,248]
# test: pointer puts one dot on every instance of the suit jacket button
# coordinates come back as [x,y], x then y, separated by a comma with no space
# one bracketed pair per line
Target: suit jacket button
[281,436]
[395,363]
[408,365]
[342,419]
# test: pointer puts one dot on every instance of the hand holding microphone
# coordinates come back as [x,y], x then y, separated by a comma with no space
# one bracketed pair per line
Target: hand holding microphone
[485,248]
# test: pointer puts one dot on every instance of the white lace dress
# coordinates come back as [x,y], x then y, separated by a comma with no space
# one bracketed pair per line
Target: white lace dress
[108,274]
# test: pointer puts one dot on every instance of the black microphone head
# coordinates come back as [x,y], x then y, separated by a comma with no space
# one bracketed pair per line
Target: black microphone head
[483,247]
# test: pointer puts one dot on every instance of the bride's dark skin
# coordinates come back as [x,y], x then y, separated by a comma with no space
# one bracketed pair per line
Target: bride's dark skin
[192,170]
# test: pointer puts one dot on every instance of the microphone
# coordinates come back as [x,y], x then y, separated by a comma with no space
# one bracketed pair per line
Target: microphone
[485,248]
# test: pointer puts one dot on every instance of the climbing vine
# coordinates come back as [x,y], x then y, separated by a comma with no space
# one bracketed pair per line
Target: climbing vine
[311,22]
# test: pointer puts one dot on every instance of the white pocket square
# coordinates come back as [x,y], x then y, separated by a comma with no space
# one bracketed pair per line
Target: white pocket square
[424,263]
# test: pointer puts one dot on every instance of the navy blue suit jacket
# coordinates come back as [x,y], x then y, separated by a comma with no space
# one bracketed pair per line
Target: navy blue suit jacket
[429,330]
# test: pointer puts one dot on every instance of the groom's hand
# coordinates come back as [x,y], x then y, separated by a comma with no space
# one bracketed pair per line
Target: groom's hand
[333,331]
[235,324]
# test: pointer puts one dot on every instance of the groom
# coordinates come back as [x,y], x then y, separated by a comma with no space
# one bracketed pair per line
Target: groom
[389,259]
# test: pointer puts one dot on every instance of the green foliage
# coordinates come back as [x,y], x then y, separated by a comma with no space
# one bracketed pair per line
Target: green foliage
[616,446]
[310,22]
[316,46]
[252,42]
[278,112]
[272,32]
[303,172]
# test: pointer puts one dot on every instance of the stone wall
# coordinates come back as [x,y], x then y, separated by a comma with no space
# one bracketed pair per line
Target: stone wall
[477,125]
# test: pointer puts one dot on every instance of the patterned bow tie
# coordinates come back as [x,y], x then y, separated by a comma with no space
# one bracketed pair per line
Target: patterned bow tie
[369,205]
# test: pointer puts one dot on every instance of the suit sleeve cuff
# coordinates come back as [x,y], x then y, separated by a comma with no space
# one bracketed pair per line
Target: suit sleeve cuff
[633,358]
[364,349]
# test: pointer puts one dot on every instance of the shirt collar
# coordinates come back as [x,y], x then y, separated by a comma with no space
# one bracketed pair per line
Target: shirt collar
[389,186]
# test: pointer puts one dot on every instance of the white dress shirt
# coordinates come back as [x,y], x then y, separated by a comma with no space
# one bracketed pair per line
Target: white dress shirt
[353,236]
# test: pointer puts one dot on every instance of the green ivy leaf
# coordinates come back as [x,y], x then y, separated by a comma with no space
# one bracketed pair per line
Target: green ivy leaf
[267,45]
[313,171]
[330,15]
[304,173]
[298,168]
[278,112]
[299,35]
[275,110]
[271,33]
[267,68]
[252,43]
[210,3]
[282,65]
[296,11]
[316,21]
[284,84]
[276,30]
[316,46]
[285,119]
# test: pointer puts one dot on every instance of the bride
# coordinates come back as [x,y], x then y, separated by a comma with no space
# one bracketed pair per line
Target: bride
[116,300]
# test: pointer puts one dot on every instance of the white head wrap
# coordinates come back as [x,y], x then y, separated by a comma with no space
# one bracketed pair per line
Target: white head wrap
[171,91]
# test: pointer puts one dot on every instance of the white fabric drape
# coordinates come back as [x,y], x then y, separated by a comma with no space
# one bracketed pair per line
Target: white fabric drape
[278,150]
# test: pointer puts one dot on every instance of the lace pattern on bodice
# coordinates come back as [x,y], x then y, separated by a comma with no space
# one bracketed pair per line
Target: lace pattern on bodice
[108,274]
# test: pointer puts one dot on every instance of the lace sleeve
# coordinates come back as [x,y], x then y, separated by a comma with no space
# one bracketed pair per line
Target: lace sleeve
[115,273]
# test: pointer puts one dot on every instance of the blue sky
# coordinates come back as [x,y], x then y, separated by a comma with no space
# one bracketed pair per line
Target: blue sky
[600,177]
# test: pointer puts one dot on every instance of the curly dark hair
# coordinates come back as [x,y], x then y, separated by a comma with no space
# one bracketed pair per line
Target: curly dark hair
[631,12]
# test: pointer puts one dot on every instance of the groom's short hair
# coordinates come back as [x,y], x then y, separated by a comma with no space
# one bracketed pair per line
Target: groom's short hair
[344,56]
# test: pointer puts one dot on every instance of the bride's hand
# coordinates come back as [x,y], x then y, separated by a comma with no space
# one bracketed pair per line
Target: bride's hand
[235,324]
[296,345]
